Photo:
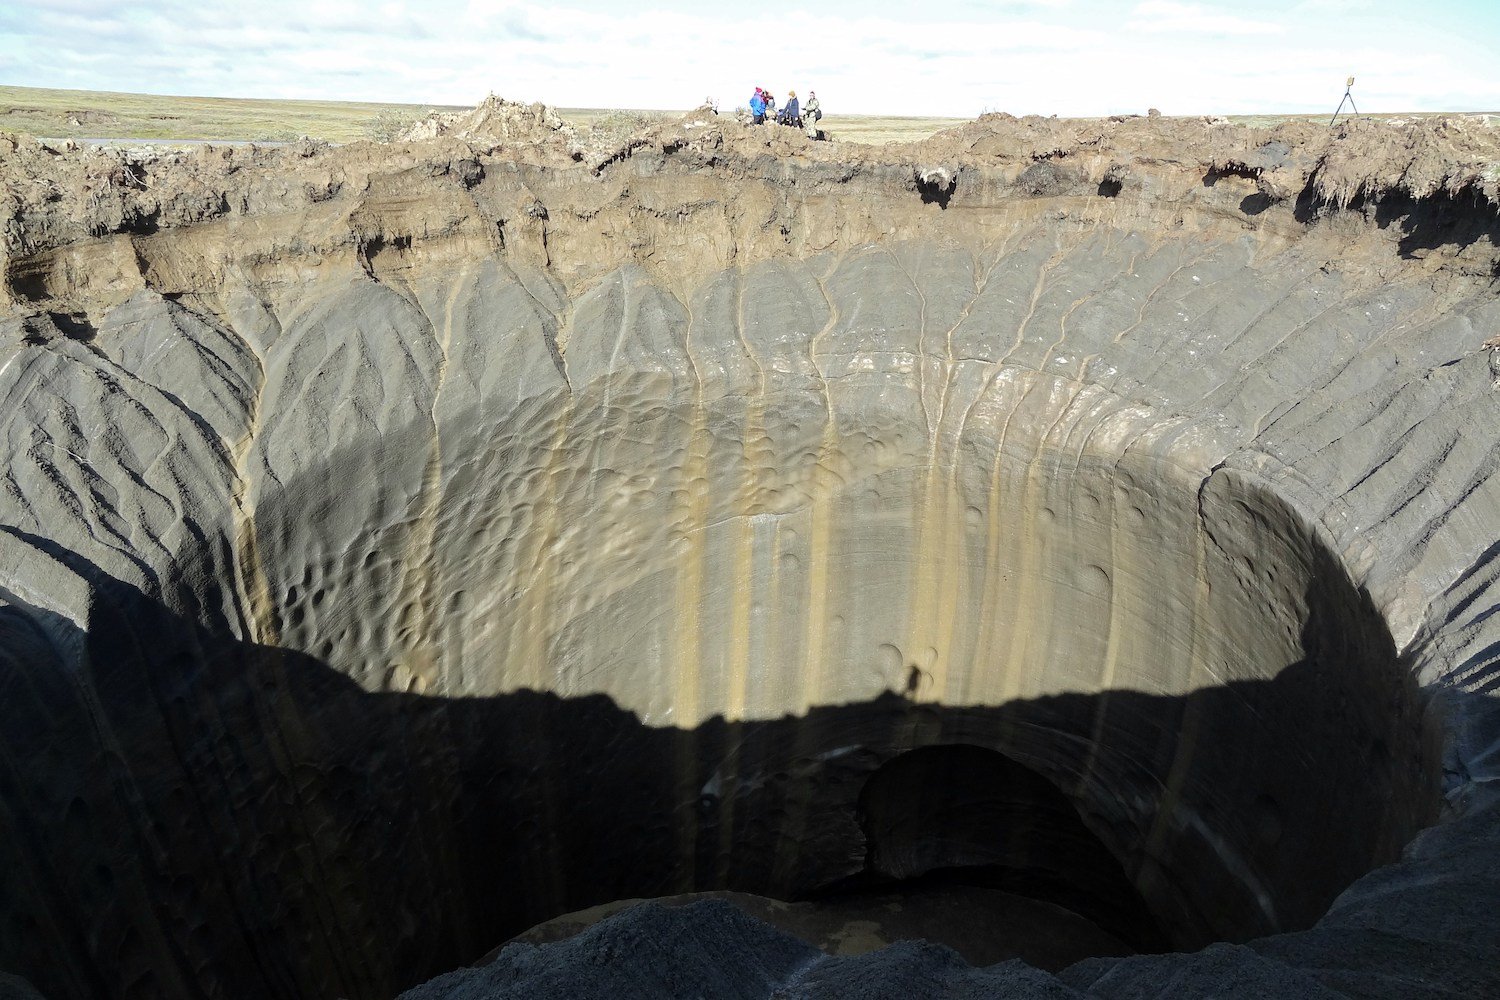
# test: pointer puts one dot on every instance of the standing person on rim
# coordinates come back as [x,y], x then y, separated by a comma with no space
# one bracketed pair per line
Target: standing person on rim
[757,107]
[791,114]
[811,112]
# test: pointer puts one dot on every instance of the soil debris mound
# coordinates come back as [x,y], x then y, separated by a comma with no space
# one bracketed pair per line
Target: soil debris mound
[495,120]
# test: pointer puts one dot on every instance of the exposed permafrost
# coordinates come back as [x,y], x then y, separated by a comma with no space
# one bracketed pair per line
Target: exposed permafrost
[400,539]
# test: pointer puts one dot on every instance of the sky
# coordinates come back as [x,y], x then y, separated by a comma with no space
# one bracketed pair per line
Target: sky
[956,58]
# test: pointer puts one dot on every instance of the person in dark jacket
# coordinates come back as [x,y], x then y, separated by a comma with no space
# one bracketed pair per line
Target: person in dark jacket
[791,114]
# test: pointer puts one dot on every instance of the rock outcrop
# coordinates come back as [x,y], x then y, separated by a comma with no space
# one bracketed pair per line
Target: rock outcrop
[402,545]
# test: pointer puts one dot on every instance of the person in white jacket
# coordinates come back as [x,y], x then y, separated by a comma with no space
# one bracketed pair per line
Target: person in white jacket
[811,112]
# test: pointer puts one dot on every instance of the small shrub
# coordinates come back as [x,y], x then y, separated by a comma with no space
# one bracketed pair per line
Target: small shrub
[388,125]
[617,126]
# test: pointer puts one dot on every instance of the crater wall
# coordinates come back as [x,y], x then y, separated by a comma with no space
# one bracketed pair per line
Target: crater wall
[397,560]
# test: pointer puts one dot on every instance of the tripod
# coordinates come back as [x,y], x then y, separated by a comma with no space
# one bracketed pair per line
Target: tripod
[1347,97]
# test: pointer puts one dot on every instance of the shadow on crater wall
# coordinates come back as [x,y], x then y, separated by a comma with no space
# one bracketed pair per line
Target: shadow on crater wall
[184,815]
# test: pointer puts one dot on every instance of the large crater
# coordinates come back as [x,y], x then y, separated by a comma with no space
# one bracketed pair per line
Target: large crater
[390,572]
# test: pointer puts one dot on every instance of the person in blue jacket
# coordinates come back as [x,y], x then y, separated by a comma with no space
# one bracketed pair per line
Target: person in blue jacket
[758,107]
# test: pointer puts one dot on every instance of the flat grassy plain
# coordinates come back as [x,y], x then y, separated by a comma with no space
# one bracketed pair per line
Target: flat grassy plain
[67,114]
[91,114]
[80,114]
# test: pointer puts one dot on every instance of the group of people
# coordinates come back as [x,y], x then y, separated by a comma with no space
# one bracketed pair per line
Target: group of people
[798,115]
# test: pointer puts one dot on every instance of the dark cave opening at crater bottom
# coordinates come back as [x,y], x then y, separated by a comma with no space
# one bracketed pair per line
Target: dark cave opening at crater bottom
[962,815]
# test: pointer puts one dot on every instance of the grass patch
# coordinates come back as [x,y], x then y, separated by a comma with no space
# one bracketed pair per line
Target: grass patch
[881,129]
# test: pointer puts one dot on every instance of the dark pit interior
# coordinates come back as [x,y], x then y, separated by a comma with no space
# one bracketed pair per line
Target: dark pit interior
[965,815]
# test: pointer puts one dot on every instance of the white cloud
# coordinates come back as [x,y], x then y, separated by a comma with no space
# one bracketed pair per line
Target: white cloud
[1331,6]
[1189,18]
